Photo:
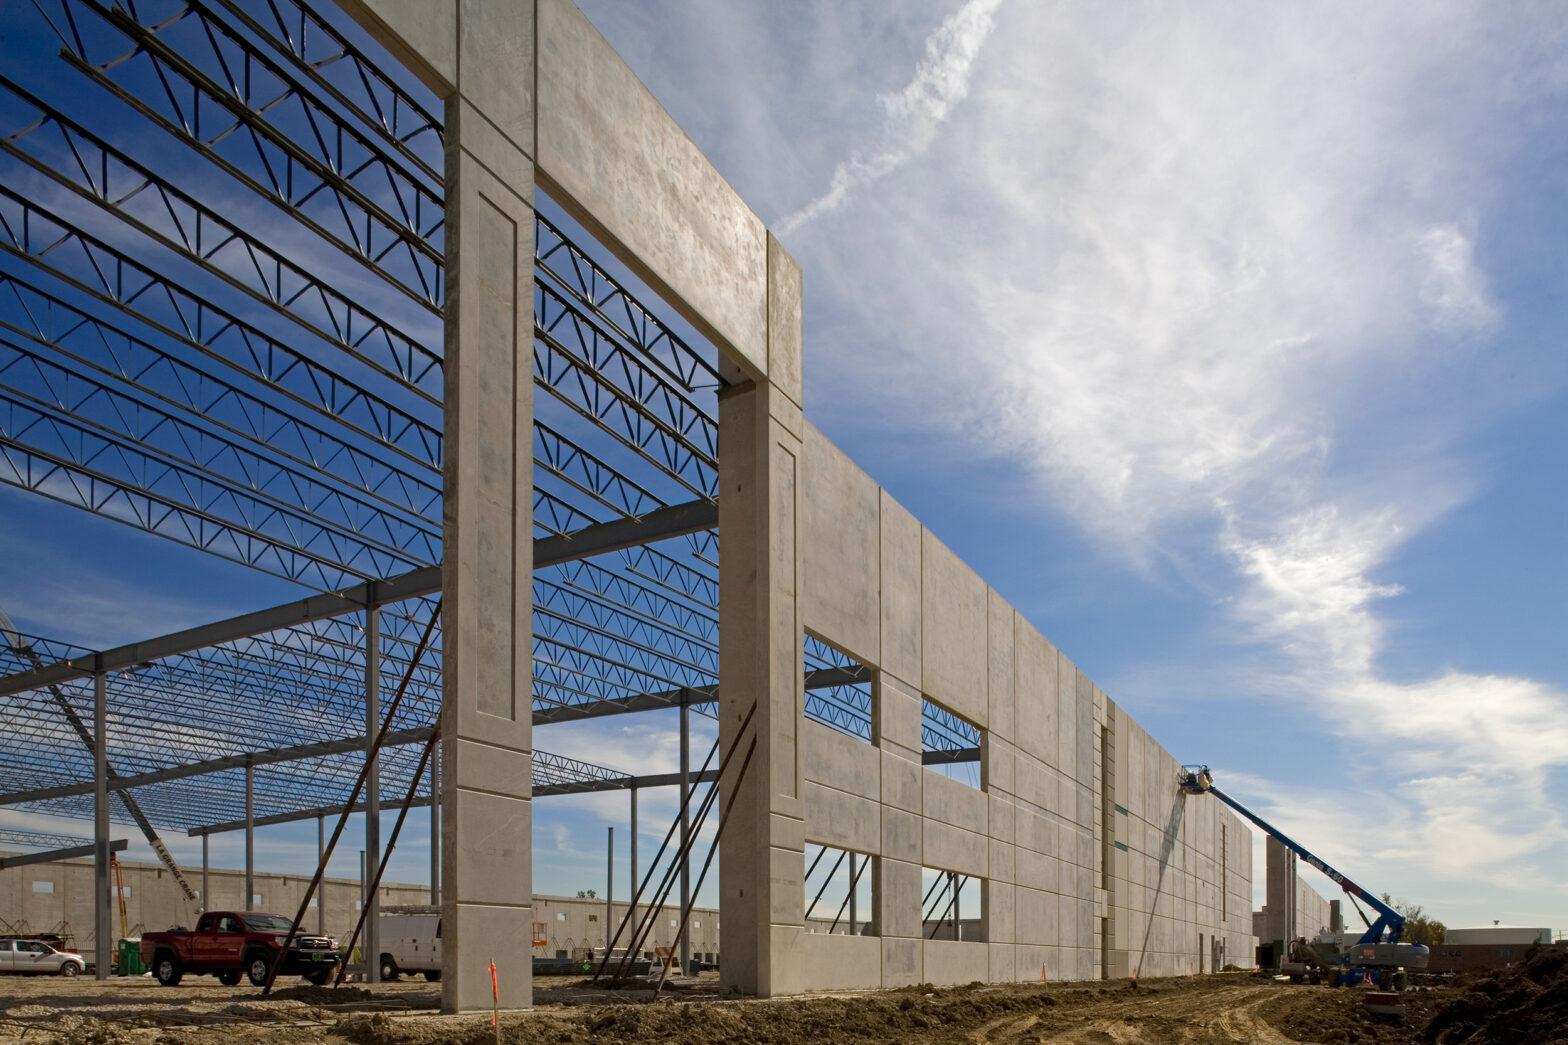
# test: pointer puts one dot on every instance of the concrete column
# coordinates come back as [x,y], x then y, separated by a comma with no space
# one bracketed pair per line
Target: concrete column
[483,65]
[685,832]
[609,887]
[487,572]
[250,835]
[1279,898]
[762,865]
[370,938]
[103,952]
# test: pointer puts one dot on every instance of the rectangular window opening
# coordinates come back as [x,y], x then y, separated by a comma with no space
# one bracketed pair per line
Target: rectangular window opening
[950,744]
[840,891]
[43,887]
[950,905]
[838,690]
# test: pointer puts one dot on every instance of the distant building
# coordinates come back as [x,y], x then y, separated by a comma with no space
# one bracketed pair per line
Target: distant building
[57,897]
[1488,947]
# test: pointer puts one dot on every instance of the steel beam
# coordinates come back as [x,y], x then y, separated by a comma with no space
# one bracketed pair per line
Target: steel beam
[549,551]
[296,753]
[421,801]
[116,845]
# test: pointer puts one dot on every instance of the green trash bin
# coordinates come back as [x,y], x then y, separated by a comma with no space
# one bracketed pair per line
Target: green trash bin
[130,955]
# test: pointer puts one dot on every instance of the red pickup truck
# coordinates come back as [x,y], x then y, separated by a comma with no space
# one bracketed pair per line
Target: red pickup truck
[228,943]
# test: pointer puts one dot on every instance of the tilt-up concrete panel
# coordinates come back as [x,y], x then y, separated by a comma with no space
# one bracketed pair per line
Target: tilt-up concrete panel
[419,33]
[840,599]
[620,164]
[1035,683]
[760,627]
[955,654]
[1000,625]
[900,575]
[956,961]
[840,761]
[487,571]
[479,56]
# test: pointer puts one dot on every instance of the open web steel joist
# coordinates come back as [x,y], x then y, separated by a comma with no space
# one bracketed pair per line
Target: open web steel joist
[221,304]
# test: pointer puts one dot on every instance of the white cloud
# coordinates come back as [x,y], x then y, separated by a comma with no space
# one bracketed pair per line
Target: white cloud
[913,115]
[1184,266]
[1454,288]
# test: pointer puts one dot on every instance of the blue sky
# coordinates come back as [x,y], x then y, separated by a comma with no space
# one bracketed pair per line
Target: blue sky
[1223,342]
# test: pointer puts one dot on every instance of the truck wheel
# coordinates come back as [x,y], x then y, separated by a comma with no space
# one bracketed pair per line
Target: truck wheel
[230,978]
[1401,980]
[320,979]
[432,975]
[257,966]
[388,969]
[167,968]
[69,969]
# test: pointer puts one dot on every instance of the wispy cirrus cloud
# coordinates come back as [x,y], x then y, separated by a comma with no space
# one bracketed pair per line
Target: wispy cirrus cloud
[1182,266]
[913,115]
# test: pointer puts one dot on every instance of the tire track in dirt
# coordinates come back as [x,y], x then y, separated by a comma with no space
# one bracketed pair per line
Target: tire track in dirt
[1227,1015]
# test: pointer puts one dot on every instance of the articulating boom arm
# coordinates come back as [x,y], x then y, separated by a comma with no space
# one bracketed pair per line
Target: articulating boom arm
[1196,780]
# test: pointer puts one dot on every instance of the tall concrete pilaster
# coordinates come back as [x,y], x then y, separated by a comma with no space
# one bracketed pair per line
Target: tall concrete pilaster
[487,572]
[762,865]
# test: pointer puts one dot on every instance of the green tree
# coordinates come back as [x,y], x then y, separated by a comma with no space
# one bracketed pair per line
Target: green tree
[1418,927]
[587,894]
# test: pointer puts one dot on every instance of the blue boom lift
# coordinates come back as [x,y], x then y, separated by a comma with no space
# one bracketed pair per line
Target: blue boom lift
[1377,955]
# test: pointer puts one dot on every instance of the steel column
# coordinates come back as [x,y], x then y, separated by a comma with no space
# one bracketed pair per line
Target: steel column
[250,837]
[102,953]
[852,880]
[685,833]
[609,888]
[321,857]
[372,934]
[631,903]
[435,825]
[206,895]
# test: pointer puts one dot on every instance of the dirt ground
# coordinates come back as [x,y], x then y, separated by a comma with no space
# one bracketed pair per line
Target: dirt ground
[1220,1008]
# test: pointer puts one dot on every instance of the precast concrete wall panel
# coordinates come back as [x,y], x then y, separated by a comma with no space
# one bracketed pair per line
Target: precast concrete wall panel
[955,651]
[621,165]
[840,600]
[901,595]
[1056,838]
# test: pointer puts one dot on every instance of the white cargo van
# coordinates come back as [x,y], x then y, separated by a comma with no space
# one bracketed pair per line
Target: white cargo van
[411,942]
